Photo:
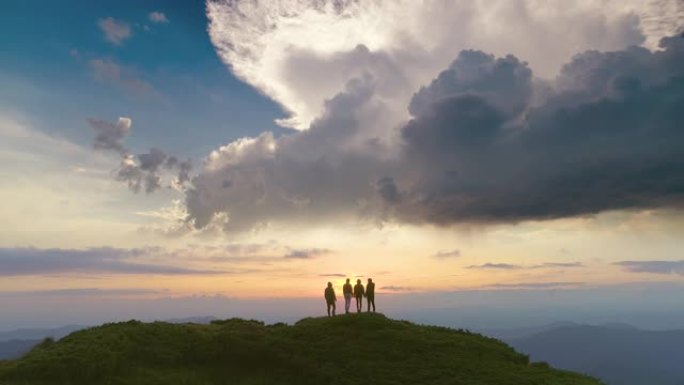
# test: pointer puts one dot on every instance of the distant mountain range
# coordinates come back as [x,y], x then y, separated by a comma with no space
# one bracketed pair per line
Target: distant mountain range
[618,354]
[39,334]
[15,343]
[12,349]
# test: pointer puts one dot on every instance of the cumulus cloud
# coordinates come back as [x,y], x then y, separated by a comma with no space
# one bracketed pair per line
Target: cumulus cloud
[485,144]
[484,141]
[608,138]
[115,31]
[301,52]
[157,17]
[32,261]
[142,171]
[655,267]
[323,173]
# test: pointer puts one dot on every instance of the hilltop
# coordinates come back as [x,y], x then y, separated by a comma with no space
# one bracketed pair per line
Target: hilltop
[352,349]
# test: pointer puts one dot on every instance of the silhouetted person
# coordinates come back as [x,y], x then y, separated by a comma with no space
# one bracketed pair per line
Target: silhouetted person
[358,294]
[347,291]
[330,298]
[370,294]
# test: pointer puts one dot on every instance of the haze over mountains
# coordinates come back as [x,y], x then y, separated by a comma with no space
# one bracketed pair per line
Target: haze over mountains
[618,354]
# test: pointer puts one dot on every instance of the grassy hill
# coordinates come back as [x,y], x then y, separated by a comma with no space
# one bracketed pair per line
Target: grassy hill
[353,349]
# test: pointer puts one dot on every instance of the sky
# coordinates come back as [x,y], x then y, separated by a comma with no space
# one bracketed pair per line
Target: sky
[490,163]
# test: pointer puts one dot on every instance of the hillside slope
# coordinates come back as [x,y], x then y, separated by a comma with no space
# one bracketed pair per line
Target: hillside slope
[354,349]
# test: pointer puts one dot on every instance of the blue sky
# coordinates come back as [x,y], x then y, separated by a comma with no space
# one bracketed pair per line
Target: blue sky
[193,102]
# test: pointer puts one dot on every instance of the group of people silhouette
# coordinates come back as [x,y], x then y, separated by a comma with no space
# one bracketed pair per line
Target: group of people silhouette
[358,292]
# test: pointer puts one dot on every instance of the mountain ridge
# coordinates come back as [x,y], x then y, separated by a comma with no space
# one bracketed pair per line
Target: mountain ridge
[348,349]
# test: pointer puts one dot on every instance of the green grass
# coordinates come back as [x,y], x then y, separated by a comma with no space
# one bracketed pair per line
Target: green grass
[352,349]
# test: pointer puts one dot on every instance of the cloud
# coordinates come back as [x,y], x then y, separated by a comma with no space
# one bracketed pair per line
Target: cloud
[110,136]
[604,138]
[396,288]
[158,17]
[483,142]
[444,254]
[306,253]
[496,266]
[104,260]
[655,267]
[508,266]
[109,71]
[142,171]
[116,32]
[333,275]
[559,265]
[303,51]
[319,174]
[82,292]
[535,285]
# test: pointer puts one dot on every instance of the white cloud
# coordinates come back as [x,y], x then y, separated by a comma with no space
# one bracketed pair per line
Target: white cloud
[157,17]
[301,52]
[115,31]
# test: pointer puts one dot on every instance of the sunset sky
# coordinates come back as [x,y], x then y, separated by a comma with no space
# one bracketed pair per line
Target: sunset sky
[251,151]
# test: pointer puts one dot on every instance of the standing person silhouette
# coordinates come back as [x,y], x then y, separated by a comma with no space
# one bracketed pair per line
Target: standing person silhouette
[347,291]
[330,298]
[358,294]
[370,294]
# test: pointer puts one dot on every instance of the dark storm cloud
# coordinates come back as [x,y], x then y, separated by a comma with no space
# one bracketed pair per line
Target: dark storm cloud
[656,267]
[610,137]
[505,82]
[32,261]
[487,143]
